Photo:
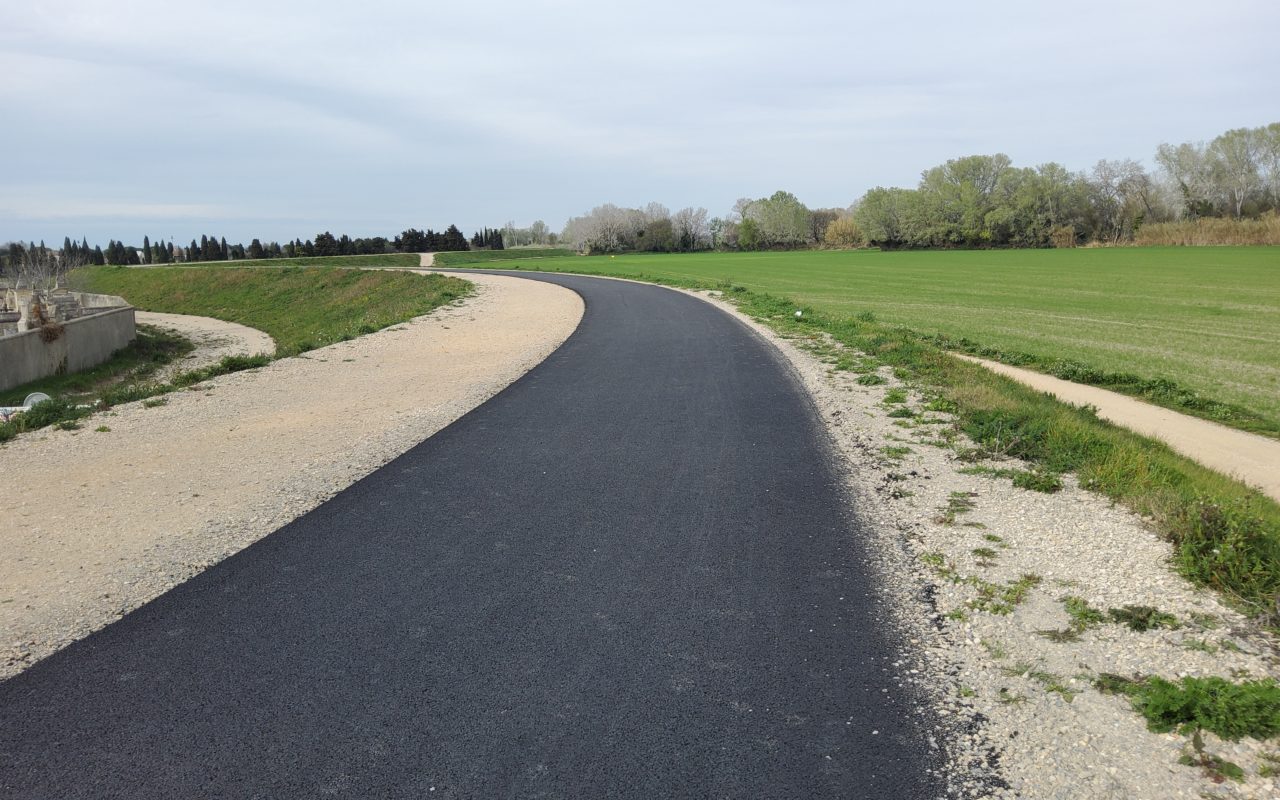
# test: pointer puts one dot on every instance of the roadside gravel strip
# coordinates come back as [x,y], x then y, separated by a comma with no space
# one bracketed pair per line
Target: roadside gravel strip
[1015,683]
[1251,458]
[99,522]
[213,338]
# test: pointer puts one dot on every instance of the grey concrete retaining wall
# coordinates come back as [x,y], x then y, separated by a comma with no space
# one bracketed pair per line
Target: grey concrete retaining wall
[88,300]
[83,343]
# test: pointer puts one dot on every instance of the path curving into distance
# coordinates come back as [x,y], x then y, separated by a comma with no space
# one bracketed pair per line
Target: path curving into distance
[214,339]
[632,573]
[1245,456]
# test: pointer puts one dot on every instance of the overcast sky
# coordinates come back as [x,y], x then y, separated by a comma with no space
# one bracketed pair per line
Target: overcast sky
[282,119]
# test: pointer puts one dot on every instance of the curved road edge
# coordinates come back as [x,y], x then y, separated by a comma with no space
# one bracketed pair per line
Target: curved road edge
[109,519]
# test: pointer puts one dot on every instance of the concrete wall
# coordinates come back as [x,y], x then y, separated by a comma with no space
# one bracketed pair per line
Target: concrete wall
[85,342]
[88,300]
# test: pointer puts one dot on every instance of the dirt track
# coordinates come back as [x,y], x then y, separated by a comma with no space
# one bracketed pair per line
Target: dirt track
[1251,458]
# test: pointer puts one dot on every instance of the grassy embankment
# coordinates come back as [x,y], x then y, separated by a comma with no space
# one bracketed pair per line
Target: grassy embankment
[482,257]
[301,309]
[359,262]
[1127,307]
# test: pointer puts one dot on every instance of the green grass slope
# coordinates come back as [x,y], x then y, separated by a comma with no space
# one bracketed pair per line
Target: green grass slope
[301,308]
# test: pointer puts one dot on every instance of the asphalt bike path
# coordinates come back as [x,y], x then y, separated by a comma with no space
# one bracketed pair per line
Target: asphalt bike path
[633,573]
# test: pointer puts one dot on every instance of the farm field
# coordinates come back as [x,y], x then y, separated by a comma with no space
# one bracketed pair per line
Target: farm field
[1207,318]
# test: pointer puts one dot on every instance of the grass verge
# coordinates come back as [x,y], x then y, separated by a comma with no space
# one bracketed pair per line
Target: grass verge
[301,308]
[487,257]
[1226,535]
[63,410]
[357,262]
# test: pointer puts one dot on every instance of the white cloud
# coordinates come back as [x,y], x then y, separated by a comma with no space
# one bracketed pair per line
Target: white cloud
[386,112]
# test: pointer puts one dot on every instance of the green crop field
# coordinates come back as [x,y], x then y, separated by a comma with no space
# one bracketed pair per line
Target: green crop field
[1207,318]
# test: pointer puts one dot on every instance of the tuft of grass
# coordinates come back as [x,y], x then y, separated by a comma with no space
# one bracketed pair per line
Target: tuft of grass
[1049,681]
[102,429]
[1142,618]
[1083,616]
[1009,698]
[1038,481]
[994,649]
[958,503]
[1230,710]
[1200,645]
[895,395]
[997,599]
[871,379]
[895,452]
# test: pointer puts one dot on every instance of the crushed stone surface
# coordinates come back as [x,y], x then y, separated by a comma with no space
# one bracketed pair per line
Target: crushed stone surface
[214,339]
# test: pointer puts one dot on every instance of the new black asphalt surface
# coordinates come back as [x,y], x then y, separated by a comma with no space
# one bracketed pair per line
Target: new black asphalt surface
[630,574]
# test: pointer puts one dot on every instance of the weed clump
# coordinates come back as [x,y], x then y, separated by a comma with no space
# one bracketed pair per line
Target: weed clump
[1142,618]
[1230,710]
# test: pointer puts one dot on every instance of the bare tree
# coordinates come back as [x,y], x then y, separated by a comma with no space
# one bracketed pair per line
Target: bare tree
[1122,196]
[692,232]
[1269,160]
[1236,154]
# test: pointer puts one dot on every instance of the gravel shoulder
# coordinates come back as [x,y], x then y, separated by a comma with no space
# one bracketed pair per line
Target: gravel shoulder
[100,522]
[1251,458]
[214,339]
[1017,714]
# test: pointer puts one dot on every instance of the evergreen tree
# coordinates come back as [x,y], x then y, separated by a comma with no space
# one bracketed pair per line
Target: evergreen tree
[453,239]
[146,249]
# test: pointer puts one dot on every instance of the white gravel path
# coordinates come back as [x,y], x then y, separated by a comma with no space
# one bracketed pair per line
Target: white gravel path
[97,523]
[213,338]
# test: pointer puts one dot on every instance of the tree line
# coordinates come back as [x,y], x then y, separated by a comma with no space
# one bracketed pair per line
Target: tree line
[979,201]
[19,260]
